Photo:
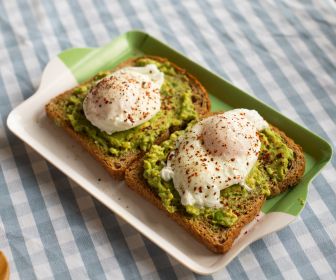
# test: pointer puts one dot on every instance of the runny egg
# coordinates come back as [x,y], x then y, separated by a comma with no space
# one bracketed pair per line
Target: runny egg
[216,153]
[124,99]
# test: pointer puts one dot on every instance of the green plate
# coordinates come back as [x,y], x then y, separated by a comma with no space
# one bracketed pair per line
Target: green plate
[84,63]
[29,122]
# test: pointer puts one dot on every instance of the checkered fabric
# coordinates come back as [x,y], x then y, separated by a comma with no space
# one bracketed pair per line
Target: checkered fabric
[283,52]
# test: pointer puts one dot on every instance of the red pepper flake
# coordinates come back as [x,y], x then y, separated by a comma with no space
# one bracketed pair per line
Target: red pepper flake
[130,118]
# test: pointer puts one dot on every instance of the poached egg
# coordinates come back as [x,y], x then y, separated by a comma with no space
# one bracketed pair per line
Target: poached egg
[216,153]
[124,99]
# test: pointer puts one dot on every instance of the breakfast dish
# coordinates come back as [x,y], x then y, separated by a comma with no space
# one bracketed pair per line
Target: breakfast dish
[214,177]
[149,120]
[117,115]
[75,66]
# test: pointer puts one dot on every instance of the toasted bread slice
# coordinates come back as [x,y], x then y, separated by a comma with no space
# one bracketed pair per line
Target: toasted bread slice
[216,238]
[116,165]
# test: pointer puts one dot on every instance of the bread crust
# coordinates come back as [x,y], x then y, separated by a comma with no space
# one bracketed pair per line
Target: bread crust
[218,239]
[116,166]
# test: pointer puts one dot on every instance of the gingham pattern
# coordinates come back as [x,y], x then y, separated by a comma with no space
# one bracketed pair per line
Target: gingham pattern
[283,52]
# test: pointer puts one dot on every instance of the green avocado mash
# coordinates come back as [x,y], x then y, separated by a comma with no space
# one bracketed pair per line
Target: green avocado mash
[273,163]
[177,110]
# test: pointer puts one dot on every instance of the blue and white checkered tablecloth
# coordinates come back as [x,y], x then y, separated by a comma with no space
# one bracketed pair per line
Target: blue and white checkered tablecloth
[283,52]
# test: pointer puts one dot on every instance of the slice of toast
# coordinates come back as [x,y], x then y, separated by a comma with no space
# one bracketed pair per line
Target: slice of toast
[116,165]
[216,238]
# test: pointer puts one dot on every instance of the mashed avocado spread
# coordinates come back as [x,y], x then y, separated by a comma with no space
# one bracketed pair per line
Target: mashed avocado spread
[273,163]
[177,110]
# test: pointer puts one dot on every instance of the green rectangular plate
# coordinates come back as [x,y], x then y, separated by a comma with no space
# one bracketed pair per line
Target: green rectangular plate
[29,122]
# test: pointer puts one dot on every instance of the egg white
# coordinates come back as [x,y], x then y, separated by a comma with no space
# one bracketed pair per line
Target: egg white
[216,153]
[124,99]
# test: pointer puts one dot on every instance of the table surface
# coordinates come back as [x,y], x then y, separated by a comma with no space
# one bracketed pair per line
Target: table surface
[282,52]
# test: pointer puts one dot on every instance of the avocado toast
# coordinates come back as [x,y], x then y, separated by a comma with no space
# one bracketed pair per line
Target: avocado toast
[280,165]
[183,99]
[142,152]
